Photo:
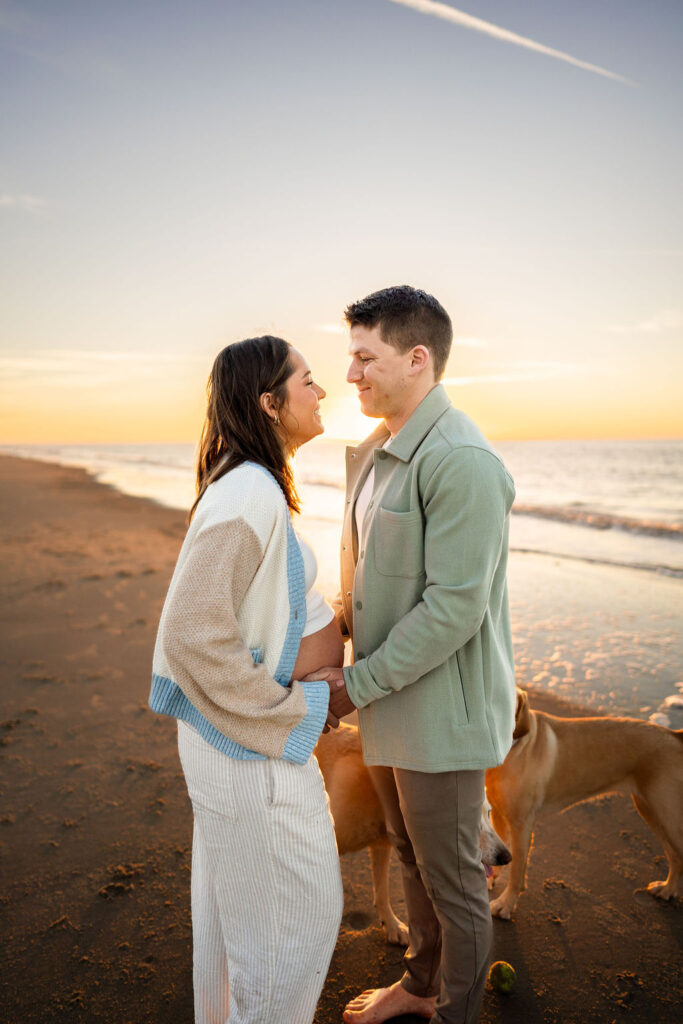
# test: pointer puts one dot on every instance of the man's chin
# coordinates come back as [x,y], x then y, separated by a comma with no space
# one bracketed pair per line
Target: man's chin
[368,409]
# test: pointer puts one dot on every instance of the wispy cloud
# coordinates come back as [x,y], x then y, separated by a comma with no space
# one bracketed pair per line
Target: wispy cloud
[458,342]
[468,342]
[30,203]
[76,368]
[457,17]
[526,369]
[667,320]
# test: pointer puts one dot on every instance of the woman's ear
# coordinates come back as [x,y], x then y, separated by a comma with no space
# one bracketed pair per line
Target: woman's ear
[268,406]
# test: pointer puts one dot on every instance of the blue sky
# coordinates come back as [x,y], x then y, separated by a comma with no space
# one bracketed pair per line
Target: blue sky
[177,175]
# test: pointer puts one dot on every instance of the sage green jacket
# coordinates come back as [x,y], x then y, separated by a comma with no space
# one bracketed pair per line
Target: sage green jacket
[425,599]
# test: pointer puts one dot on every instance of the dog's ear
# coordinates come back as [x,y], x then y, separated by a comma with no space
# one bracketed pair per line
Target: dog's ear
[522,715]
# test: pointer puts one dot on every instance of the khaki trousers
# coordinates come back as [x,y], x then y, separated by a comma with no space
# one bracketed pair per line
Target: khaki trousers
[433,821]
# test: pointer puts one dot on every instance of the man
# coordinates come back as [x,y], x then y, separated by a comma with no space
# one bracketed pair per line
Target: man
[424,599]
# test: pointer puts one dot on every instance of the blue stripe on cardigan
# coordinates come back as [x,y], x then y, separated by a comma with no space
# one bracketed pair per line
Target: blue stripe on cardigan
[166,697]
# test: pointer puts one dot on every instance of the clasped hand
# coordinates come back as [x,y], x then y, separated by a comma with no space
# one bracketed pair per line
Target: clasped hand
[340,702]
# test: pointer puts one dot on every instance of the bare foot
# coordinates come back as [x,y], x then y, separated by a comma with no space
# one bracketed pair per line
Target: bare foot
[380,1004]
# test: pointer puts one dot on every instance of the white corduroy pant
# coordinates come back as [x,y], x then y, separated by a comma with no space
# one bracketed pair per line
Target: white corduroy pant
[266,886]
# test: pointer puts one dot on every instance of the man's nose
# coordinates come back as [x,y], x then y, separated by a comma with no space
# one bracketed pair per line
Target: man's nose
[354,373]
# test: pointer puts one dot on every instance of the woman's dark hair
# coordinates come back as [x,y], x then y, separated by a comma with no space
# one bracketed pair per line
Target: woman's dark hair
[236,428]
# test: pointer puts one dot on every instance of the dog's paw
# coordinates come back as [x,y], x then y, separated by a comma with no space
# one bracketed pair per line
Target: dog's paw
[396,932]
[502,907]
[661,890]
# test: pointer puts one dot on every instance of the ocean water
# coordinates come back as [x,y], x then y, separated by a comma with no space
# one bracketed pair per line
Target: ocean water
[607,503]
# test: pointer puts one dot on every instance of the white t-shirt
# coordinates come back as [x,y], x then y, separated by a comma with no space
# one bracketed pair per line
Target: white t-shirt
[364,497]
[318,611]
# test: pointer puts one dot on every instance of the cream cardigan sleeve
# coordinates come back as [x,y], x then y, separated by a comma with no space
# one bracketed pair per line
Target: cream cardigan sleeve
[202,645]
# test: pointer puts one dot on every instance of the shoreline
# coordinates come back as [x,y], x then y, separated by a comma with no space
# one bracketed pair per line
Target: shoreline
[95,841]
[588,531]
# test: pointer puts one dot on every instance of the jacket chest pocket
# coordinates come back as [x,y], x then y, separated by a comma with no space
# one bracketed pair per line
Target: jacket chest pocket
[399,543]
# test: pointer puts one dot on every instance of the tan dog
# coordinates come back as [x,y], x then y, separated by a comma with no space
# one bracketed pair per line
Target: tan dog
[359,819]
[557,762]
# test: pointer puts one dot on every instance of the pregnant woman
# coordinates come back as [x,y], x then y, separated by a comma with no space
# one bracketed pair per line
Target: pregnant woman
[241,626]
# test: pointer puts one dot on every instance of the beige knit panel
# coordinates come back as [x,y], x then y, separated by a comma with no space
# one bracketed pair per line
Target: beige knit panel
[206,655]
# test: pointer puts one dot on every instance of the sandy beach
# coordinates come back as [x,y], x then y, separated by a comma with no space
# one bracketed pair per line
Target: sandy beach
[95,823]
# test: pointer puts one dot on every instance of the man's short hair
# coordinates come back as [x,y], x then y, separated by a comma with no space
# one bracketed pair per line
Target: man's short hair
[406,317]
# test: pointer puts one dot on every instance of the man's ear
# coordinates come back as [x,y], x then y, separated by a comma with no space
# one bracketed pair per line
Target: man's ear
[420,357]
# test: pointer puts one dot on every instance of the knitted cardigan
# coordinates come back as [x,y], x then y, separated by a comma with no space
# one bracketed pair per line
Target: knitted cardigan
[232,623]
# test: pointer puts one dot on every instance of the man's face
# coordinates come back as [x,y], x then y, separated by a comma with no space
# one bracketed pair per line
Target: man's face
[380,373]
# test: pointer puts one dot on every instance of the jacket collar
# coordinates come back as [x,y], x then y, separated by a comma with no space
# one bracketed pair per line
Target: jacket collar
[431,408]
[359,459]
[404,445]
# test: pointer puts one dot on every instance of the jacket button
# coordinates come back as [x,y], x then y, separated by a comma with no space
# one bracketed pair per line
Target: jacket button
[359,605]
[382,454]
[362,554]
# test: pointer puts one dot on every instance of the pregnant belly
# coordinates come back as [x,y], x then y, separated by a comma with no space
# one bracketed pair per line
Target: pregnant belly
[325,647]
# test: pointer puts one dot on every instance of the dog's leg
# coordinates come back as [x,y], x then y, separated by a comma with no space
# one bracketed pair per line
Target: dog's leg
[671,885]
[380,853]
[520,843]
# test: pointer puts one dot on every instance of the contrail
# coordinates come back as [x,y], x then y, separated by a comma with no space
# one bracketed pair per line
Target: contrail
[468,21]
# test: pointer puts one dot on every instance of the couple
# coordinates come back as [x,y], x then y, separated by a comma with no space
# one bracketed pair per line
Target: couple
[248,659]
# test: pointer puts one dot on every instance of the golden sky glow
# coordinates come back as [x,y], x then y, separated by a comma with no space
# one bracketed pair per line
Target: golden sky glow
[171,184]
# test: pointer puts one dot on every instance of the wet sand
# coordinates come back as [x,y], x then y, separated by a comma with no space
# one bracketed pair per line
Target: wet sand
[95,824]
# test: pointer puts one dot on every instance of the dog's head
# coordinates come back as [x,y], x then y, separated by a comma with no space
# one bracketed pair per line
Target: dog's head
[522,715]
[494,852]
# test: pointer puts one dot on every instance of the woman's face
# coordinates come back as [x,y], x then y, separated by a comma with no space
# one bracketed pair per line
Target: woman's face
[300,415]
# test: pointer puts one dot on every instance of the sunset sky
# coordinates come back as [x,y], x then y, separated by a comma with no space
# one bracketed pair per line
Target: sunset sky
[177,175]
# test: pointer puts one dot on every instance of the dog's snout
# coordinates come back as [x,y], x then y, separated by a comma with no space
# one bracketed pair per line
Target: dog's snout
[503,857]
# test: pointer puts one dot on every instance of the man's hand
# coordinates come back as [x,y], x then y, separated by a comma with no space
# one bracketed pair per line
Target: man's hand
[331,723]
[340,702]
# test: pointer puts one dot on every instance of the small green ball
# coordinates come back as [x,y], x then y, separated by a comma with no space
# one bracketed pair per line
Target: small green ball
[502,976]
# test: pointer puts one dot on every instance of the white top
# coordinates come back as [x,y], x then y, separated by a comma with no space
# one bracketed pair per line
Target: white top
[318,611]
[363,499]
